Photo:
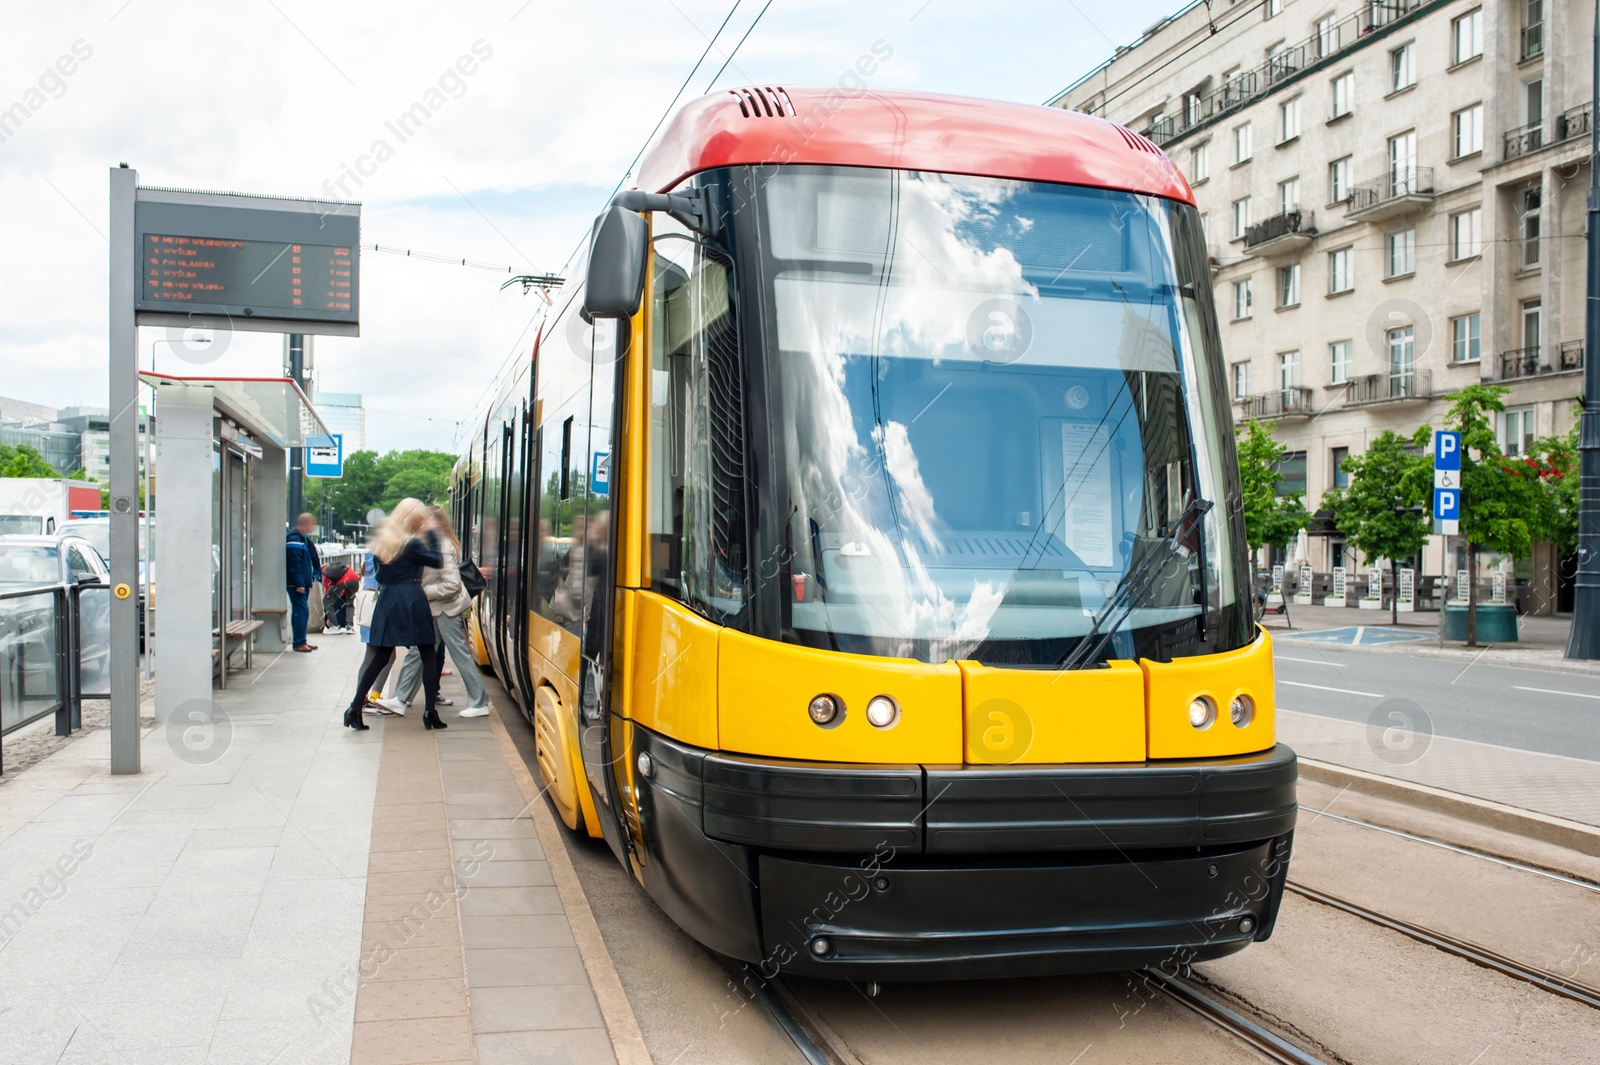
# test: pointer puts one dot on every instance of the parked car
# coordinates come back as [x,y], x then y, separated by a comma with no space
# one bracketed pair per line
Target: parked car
[46,562]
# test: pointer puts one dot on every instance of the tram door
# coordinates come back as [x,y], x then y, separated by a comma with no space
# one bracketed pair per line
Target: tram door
[502,607]
[525,517]
[600,722]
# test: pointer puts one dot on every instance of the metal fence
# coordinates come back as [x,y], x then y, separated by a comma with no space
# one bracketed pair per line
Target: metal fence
[55,652]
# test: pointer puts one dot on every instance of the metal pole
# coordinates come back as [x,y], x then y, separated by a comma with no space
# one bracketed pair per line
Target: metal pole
[297,455]
[1584,640]
[123,356]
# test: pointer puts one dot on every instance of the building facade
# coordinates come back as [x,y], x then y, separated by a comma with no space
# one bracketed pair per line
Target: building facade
[343,413]
[1394,201]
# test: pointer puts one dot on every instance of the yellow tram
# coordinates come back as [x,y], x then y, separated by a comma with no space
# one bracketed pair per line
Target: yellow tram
[863,547]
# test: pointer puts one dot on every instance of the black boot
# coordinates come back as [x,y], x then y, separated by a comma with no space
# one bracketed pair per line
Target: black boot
[352,719]
[430,719]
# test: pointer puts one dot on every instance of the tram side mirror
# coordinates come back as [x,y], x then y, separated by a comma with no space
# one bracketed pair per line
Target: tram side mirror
[617,257]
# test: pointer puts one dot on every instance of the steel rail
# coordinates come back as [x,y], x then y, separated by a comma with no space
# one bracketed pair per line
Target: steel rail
[778,1003]
[1489,959]
[1274,1046]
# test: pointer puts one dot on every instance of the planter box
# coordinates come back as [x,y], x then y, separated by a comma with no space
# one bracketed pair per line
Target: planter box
[1303,600]
[1371,604]
[1405,607]
[1332,601]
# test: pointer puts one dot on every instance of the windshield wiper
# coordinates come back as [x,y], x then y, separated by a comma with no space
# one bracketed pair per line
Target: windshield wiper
[1135,584]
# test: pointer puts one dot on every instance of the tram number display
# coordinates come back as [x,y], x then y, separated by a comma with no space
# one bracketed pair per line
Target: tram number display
[261,275]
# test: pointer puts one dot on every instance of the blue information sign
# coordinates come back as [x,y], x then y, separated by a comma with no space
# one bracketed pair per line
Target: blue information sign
[1447,504]
[600,473]
[326,461]
[1446,450]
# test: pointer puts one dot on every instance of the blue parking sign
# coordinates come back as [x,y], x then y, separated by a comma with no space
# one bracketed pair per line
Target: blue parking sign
[1447,504]
[1446,450]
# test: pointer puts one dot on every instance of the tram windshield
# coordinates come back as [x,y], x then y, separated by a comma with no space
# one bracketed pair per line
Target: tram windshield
[994,401]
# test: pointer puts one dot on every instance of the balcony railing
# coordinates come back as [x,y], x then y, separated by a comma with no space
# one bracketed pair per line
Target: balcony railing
[1291,402]
[1399,187]
[1519,363]
[1389,387]
[1292,226]
[1246,86]
[1574,123]
[1524,139]
[1533,40]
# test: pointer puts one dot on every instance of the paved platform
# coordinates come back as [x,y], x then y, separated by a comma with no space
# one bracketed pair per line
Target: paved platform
[277,889]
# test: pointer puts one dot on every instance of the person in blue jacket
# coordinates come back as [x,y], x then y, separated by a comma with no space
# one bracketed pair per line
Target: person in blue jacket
[302,568]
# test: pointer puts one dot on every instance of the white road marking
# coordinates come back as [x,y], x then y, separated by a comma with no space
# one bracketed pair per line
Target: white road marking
[1307,661]
[1553,691]
[1325,688]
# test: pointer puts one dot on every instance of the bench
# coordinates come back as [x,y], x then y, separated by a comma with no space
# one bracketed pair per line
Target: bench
[238,629]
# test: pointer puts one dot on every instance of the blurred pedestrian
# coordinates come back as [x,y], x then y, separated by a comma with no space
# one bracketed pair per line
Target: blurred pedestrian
[302,568]
[450,603]
[407,544]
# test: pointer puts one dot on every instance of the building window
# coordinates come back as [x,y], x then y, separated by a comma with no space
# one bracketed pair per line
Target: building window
[1341,272]
[1339,362]
[1529,207]
[1339,180]
[1532,321]
[1402,359]
[1288,369]
[1466,37]
[1403,163]
[1516,430]
[1466,131]
[1289,285]
[1289,195]
[1241,217]
[1200,163]
[1343,90]
[1400,249]
[1205,228]
[1464,338]
[1466,234]
[1402,68]
[1241,143]
[1341,479]
[1244,298]
[1288,120]
[1241,380]
[1273,8]
[1326,40]
[1292,474]
[1532,28]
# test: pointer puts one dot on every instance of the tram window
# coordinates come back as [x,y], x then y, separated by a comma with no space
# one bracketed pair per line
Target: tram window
[696,493]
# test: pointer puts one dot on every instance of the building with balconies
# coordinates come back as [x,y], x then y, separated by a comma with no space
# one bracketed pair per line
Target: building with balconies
[1393,194]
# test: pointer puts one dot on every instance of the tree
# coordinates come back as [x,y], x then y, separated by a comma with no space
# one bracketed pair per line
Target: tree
[1270,517]
[24,460]
[1374,512]
[1499,506]
[1552,462]
[373,480]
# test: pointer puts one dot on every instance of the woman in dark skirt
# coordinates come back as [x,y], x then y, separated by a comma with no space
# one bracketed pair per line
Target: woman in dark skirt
[406,545]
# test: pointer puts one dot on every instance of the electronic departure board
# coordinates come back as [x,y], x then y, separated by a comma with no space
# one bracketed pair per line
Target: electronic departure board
[266,276]
[236,261]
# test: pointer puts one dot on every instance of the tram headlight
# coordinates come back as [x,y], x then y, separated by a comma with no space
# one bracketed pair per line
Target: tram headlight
[825,709]
[1202,712]
[882,711]
[1242,711]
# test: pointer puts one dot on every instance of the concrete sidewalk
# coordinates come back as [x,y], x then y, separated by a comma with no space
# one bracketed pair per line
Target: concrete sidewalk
[1541,639]
[274,888]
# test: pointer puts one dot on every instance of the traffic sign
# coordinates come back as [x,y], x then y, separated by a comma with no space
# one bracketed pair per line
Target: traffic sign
[1447,510]
[326,461]
[1446,450]
[600,473]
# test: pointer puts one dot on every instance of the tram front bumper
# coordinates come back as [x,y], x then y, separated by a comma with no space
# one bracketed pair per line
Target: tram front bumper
[936,872]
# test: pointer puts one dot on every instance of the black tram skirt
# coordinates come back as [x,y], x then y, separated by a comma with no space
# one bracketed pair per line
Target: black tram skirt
[950,872]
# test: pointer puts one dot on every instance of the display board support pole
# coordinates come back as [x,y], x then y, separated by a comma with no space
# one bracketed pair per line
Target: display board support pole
[124,395]
[297,455]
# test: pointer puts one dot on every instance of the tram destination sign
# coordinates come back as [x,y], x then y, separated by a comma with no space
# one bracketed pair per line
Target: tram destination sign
[260,263]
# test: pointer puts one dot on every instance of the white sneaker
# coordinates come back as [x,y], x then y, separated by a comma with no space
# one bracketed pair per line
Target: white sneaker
[394,706]
[475,711]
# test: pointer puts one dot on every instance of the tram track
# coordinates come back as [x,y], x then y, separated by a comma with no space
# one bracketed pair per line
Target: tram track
[1270,1044]
[1554,983]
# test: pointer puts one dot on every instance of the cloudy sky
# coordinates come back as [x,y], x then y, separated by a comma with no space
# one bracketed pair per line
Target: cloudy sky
[285,96]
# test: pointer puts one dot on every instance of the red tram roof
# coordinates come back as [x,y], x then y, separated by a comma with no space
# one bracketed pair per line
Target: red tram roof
[898,130]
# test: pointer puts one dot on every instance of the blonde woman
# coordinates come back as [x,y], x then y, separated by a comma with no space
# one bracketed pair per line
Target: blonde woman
[407,544]
[449,601]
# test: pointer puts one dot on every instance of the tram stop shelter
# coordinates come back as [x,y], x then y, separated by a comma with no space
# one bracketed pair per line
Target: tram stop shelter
[219,554]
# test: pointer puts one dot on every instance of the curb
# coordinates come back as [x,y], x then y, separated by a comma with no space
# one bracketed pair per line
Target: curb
[627,1041]
[1573,835]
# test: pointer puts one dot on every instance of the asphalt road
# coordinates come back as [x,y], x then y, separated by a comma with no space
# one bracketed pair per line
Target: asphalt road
[1512,706]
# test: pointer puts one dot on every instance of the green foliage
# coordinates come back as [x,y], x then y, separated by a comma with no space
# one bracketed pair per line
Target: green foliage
[1499,506]
[1552,464]
[24,460]
[1269,518]
[373,480]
